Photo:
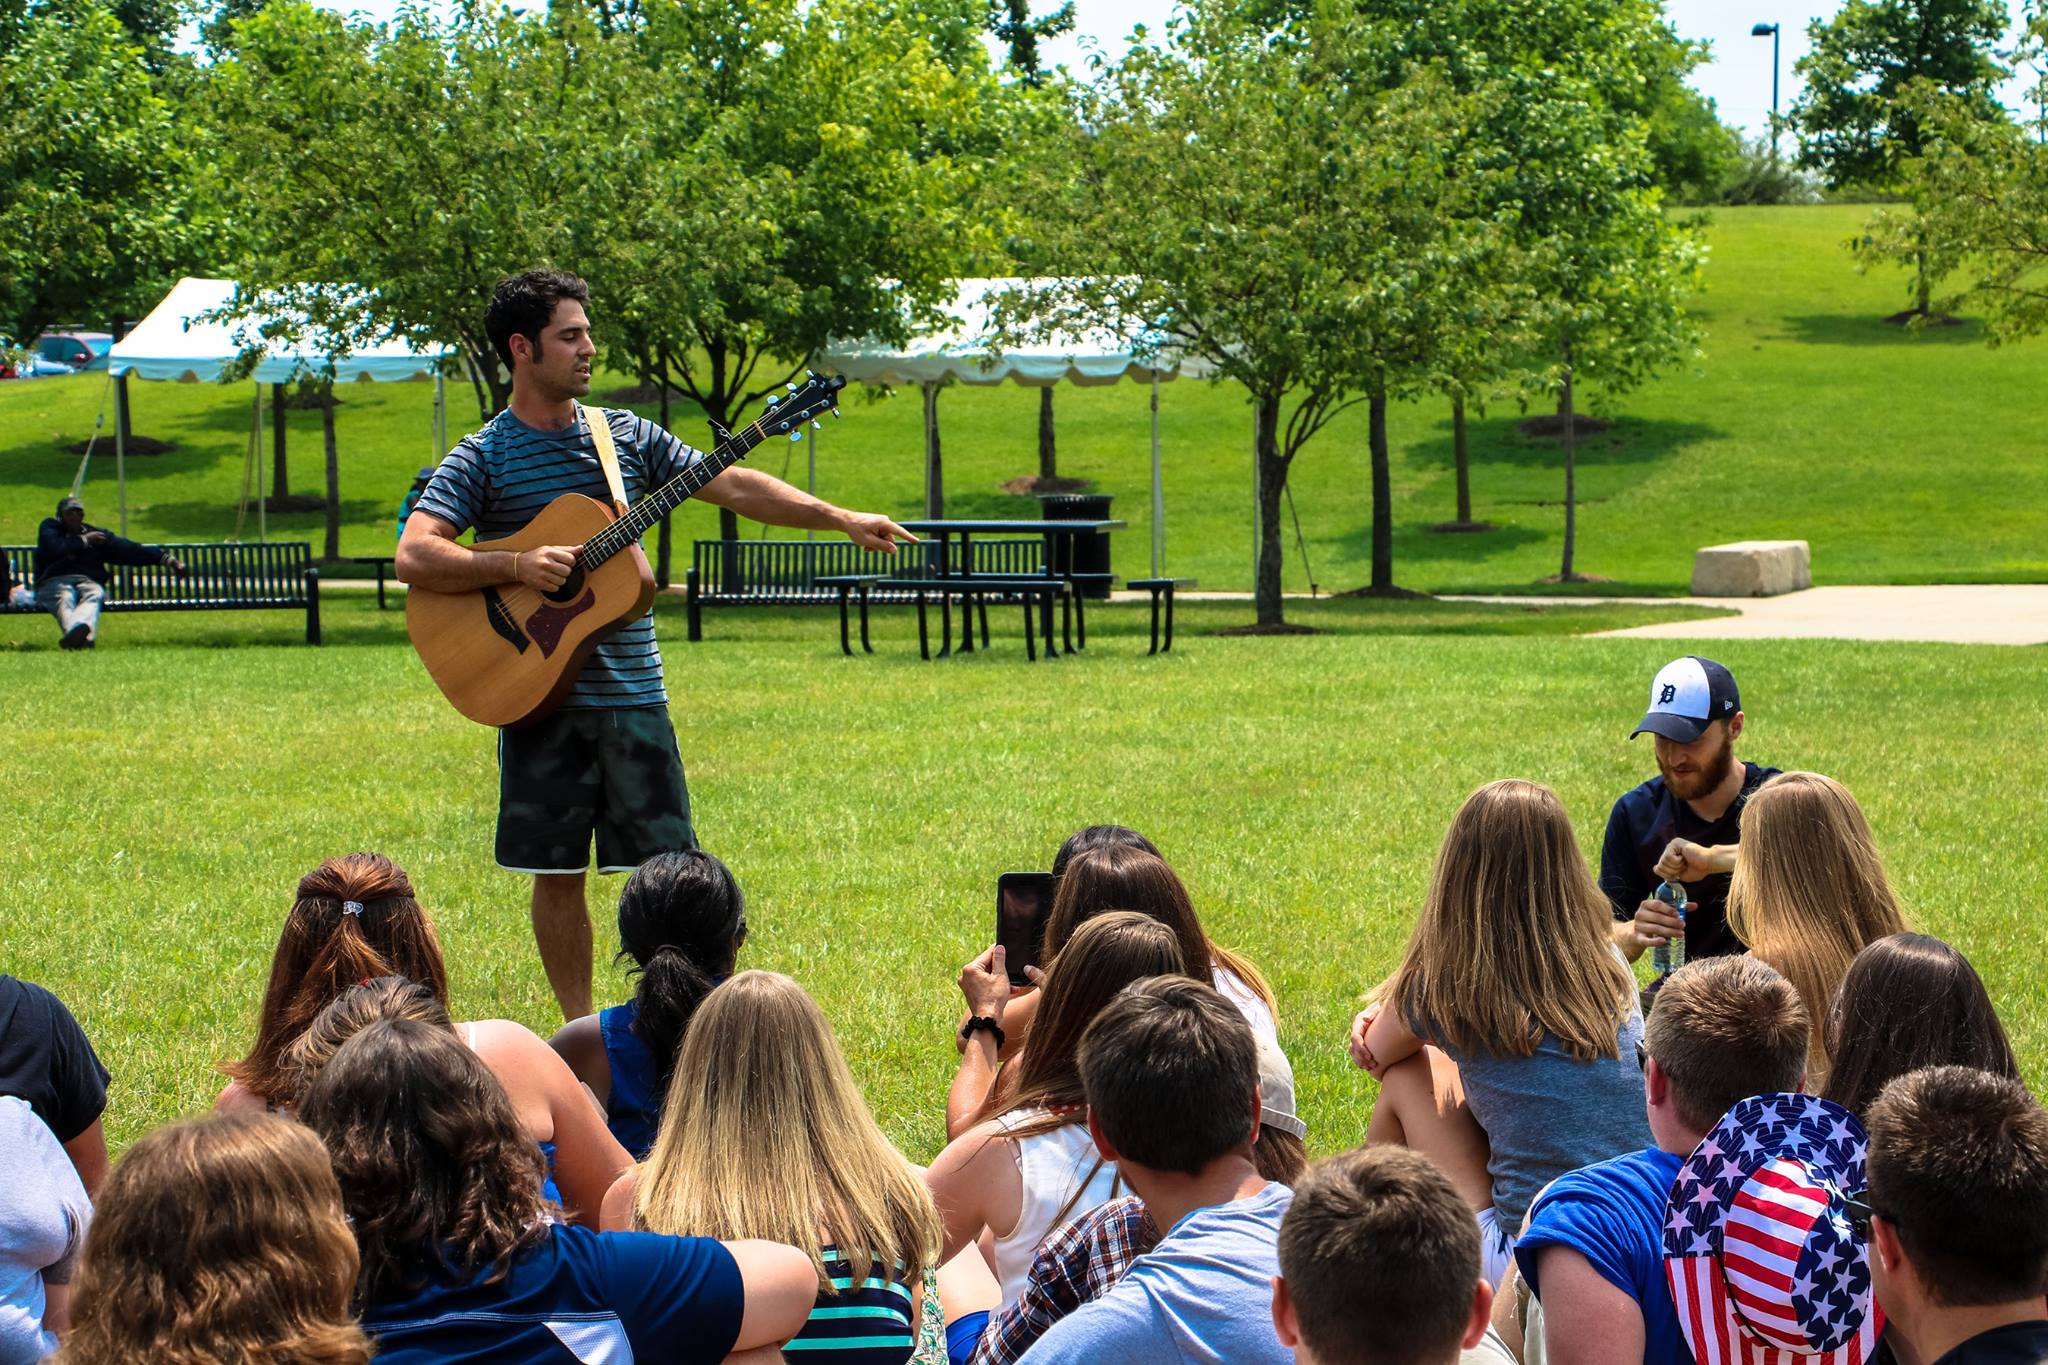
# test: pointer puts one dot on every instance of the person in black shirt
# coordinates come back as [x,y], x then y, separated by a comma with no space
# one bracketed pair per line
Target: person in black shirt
[47,1061]
[1957,1212]
[1686,819]
[71,569]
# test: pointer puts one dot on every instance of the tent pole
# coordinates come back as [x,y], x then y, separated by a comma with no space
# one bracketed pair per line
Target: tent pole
[256,440]
[121,446]
[1158,492]
[440,415]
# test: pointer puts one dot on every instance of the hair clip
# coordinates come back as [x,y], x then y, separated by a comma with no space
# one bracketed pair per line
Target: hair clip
[352,908]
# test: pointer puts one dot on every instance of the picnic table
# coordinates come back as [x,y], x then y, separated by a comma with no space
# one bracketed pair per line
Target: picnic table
[949,574]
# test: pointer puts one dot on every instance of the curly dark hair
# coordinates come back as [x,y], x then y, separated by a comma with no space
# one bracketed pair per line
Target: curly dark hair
[436,1171]
[523,304]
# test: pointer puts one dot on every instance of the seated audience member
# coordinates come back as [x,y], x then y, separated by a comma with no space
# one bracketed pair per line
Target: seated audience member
[71,570]
[356,919]
[682,920]
[1116,874]
[1031,1166]
[1810,892]
[1958,1214]
[460,1260]
[1697,798]
[219,1239]
[1379,1265]
[1171,1074]
[1080,1261]
[760,1058]
[1505,1041]
[1908,1001]
[1725,1028]
[46,1060]
[43,1217]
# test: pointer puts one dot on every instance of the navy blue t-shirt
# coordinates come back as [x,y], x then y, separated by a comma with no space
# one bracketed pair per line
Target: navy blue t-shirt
[1639,828]
[2019,1343]
[580,1296]
[1613,1215]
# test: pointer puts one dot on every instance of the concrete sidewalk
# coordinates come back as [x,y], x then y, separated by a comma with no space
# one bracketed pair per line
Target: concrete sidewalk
[1960,613]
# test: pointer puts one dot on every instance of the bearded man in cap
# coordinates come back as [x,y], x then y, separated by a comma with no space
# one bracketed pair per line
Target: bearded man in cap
[71,570]
[1683,824]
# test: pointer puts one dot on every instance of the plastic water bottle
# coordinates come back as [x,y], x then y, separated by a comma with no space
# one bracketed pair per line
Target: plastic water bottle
[1669,957]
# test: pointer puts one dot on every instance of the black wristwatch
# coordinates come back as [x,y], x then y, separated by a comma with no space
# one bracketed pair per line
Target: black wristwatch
[982,1021]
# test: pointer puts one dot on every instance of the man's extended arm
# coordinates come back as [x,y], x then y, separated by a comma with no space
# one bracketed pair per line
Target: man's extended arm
[768,500]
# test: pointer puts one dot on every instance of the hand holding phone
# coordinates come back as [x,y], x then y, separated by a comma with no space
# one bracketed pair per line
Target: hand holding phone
[1023,903]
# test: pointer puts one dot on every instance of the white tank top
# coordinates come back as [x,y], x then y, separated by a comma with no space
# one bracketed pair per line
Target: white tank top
[1054,1166]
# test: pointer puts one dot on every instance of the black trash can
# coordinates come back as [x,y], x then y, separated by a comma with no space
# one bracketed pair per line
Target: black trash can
[1090,548]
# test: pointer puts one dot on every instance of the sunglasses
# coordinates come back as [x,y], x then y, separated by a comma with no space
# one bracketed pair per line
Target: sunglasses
[1642,1056]
[1856,1205]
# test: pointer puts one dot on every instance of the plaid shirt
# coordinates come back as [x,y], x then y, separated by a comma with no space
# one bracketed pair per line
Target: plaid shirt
[1074,1265]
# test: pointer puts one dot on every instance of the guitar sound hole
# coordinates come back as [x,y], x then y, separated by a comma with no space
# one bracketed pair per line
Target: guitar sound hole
[571,589]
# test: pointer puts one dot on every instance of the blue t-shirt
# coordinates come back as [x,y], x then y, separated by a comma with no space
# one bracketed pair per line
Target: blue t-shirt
[1642,825]
[1549,1113]
[1613,1215]
[860,1320]
[499,479]
[1204,1294]
[579,1296]
[633,1112]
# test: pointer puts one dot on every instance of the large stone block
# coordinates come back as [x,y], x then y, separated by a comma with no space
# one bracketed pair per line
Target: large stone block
[1752,568]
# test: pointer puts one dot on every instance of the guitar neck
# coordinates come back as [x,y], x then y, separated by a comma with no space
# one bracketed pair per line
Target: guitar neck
[727,451]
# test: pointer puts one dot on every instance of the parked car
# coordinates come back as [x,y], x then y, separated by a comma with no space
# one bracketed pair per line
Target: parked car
[72,351]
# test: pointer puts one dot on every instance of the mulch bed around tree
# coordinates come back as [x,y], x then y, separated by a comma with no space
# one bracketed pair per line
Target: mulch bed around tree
[136,445]
[1390,594]
[1549,426]
[1027,485]
[1283,628]
[1576,578]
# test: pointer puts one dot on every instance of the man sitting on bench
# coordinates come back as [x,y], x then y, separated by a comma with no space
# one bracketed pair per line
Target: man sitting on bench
[71,570]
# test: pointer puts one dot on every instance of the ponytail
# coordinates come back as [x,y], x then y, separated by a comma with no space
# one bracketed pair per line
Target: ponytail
[670,989]
[682,918]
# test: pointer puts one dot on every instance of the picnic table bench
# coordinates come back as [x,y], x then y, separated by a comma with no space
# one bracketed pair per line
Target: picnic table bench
[230,576]
[797,573]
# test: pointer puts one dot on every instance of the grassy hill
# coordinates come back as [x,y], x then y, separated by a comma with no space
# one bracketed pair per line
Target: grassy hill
[1903,457]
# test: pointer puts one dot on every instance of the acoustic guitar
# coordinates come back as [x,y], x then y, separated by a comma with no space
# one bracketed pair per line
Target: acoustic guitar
[506,655]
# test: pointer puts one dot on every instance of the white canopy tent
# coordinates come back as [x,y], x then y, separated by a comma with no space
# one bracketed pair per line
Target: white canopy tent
[184,340]
[966,351]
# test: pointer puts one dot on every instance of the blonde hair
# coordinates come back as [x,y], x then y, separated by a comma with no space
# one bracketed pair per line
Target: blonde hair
[1512,941]
[766,1135]
[1810,892]
[219,1239]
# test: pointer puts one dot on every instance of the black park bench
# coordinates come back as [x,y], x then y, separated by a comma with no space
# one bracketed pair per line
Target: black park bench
[804,573]
[234,576]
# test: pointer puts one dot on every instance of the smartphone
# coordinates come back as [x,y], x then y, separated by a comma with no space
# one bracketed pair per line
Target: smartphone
[1023,900]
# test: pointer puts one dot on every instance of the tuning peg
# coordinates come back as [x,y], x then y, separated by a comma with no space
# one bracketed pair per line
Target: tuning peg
[835,412]
[817,426]
[797,435]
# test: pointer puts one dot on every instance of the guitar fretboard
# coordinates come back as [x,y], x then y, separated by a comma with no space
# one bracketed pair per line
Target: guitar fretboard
[728,451]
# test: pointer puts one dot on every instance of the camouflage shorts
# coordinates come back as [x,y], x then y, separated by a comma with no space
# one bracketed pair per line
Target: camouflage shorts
[612,773]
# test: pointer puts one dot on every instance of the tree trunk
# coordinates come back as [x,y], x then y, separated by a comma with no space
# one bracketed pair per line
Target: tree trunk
[333,545]
[1048,461]
[279,483]
[1272,472]
[1382,492]
[934,468]
[1923,288]
[1571,450]
[1458,457]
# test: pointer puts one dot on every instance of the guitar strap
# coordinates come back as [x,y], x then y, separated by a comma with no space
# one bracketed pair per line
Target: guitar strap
[607,453]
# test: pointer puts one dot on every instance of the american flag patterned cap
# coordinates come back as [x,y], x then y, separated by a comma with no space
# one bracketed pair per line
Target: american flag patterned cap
[1763,1265]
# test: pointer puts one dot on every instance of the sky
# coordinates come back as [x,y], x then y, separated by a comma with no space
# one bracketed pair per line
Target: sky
[1736,76]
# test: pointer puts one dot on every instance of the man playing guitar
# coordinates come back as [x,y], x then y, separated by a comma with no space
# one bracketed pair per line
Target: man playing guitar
[606,762]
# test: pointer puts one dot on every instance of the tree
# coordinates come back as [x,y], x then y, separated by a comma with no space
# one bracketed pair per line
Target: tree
[320,121]
[1853,123]
[1011,23]
[94,175]
[1270,181]
[815,165]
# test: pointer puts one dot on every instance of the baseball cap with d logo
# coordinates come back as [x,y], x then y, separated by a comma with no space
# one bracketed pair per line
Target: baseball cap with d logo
[1686,697]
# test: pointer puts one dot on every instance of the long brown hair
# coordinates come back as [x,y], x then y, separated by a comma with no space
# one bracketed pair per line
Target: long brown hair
[765,1134]
[1909,1001]
[218,1239]
[1512,942]
[355,918]
[1809,891]
[435,1169]
[1105,954]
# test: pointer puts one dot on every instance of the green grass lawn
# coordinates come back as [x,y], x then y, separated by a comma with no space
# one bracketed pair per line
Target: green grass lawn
[167,791]
[1903,457]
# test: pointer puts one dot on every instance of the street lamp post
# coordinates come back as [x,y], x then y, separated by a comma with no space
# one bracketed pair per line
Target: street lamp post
[1758,31]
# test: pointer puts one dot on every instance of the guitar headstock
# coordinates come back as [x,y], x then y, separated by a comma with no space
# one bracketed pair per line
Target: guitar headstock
[788,411]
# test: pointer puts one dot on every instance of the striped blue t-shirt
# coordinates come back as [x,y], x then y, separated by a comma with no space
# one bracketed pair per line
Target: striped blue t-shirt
[498,479]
